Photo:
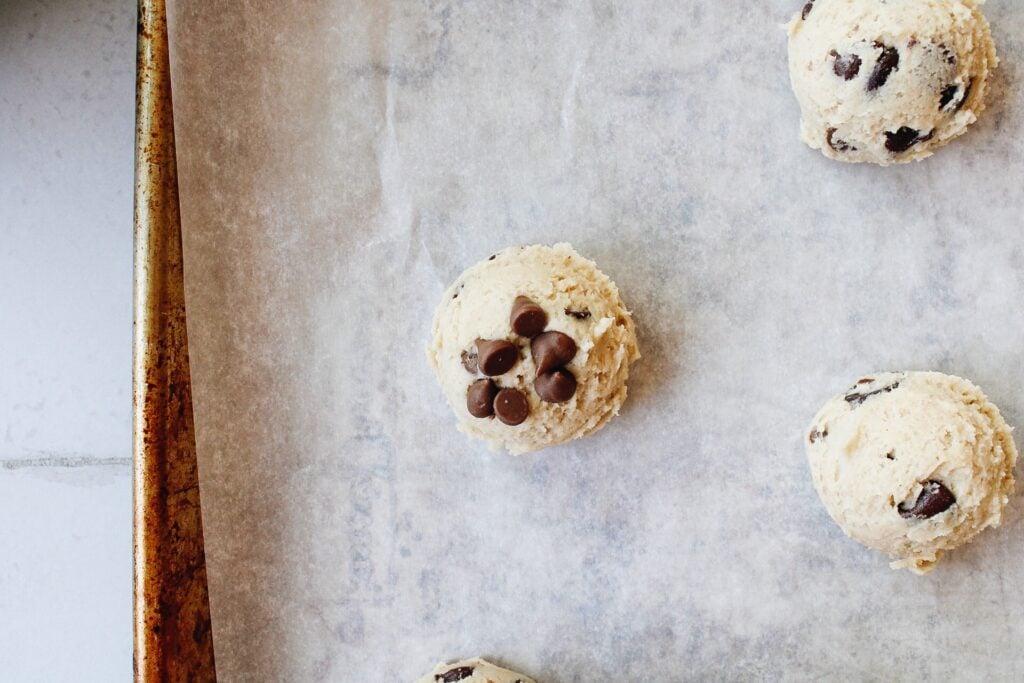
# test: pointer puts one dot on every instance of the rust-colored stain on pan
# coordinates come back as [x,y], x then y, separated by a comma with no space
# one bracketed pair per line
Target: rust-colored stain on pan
[173,641]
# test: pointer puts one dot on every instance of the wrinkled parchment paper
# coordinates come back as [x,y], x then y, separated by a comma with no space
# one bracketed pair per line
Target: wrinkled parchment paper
[342,162]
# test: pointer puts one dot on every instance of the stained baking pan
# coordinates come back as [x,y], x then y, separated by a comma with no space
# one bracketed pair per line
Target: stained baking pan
[172,634]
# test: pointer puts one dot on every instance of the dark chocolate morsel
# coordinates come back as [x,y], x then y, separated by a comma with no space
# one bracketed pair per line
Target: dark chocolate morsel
[807,9]
[469,361]
[905,138]
[846,66]
[579,315]
[947,95]
[552,350]
[838,144]
[856,398]
[527,318]
[480,398]
[888,62]
[496,357]
[453,675]
[511,407]
[557,386]
[935,498]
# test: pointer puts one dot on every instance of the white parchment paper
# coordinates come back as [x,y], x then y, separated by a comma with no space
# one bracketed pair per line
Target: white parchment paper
[342,162]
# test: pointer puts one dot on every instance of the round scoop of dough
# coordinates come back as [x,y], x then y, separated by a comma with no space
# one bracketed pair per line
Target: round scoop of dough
[912,464]
[579,301]
[473,671]
[888,82]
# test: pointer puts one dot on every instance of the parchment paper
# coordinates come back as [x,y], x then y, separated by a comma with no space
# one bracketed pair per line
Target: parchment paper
[342,162]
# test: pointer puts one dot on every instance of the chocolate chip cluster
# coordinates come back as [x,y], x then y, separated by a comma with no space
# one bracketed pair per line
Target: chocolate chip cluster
[551,352]
[950,99]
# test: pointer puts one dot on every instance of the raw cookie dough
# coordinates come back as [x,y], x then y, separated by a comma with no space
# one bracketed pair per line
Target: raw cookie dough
[532,348]
[912,464]
[888,82]
[473,671]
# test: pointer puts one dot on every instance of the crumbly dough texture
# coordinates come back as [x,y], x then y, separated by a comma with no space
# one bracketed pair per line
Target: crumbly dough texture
[930,96]
[559,280]
[473,671]
[875,446]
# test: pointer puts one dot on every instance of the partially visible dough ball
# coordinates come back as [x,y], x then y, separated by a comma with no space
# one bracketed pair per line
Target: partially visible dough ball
[561,376]
[912,464]
[888,81]
[473,671]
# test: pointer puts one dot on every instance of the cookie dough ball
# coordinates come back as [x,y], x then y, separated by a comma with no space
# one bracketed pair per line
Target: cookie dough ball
[888,82]
[912,464]
[473,671]
[532,348]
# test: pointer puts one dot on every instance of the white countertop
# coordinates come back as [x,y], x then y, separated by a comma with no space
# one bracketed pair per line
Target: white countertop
[67,74]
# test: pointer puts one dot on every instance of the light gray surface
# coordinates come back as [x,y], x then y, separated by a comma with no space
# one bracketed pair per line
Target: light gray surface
[66,145]
[361,154]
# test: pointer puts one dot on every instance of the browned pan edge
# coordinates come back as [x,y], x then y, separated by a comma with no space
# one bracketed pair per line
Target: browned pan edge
[173,640]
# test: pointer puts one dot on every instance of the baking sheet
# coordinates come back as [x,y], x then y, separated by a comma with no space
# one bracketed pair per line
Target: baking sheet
[342,162]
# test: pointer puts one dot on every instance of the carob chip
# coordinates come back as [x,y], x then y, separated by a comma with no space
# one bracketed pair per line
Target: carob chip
[496,357]
[552,350]
[846,66]
[453,675]
[888,62]
[935,498]
[557,386]
[527,318]
[838,144]
[856,398]
[905,138]
[807,9]
[469,362]
[480,398]
[511,407]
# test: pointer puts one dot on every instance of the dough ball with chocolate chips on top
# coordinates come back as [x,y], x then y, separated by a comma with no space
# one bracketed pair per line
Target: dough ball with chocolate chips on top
[888,82]
[551,336]
[473,671]
[912,464]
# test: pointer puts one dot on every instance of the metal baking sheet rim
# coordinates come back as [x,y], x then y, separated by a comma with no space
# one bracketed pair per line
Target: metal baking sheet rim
[173,638]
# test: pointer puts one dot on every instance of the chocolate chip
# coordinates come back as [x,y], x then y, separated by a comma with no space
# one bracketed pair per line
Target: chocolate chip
[579,315]
[511,406]
[838,144]
[888,62]
[492,257]
[817,434]
[855,399]
[865,380]
[480,398]
[807,9]
[935,498]
[469,362]
[948,93]
[552,350]
[496,357]
[527,318]
[891,455]
[905,138]
[557,386]
[453,675]
[846,66]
